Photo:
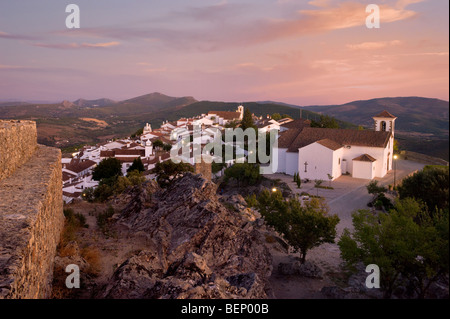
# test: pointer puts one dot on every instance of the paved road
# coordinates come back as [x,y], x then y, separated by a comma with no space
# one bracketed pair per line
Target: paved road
[357,198]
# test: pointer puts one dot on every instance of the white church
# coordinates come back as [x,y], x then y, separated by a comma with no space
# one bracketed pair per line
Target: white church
[320,153]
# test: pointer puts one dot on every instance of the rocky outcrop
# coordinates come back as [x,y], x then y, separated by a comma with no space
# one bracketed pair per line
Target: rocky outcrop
[197,247]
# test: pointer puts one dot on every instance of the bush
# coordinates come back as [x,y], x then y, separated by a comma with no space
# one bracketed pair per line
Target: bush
[245,173]
[108,168]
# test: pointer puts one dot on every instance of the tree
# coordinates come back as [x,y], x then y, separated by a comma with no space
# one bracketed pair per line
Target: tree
[374,189]
[108,168]
[136,166]
[431,185]
[304,227]
[158,144]
[318,183]
[247,120]
[276,116]
[167,172]
[298,181]
[406,244]
[325,121]
[167,147]
[244,173]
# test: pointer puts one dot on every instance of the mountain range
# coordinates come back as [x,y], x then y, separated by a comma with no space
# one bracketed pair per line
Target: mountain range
[422,124]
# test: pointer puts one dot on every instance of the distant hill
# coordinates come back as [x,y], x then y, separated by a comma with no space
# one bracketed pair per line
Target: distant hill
[93,103]
[422,125]
[415,114]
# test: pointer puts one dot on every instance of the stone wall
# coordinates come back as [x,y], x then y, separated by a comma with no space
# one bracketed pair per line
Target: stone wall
[31,215]
[18,141]
[203,168]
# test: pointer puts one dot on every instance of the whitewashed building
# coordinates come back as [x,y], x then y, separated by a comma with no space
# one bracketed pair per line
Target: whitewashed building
[321,153]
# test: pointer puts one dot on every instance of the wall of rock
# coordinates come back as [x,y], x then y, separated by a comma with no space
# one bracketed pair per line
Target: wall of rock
[31,213]
[18,142]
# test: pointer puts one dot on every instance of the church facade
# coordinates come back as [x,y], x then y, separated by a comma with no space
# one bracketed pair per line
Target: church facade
[323,154]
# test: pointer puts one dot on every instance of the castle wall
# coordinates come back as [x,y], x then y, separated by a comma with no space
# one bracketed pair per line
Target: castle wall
[31,212]
[18,142]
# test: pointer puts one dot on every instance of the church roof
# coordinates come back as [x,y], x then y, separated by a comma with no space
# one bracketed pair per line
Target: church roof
[293,140]
[332,145]
[299,124]
[365,158]
[386,114]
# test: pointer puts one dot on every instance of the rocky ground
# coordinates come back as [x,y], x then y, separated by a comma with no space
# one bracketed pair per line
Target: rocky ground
[182,242]
[194,240]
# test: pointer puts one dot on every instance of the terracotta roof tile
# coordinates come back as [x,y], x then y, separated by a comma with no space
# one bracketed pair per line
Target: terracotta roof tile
[386,114]
[77,165]
[332,145]
[350,137]
[365,158]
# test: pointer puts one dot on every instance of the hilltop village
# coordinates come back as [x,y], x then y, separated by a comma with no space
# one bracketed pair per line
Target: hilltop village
[317,153]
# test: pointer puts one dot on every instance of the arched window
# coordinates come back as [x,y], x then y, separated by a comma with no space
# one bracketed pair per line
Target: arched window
[383,126]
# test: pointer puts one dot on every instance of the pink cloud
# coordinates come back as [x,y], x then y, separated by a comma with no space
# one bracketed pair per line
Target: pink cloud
[66,46]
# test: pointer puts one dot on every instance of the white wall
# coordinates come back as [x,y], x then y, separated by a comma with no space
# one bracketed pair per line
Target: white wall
[364,170]
[380,154]
[338,156]
[320,162]
[281,154]
[291,163]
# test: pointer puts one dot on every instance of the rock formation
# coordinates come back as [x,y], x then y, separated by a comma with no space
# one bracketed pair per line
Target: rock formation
[197,247]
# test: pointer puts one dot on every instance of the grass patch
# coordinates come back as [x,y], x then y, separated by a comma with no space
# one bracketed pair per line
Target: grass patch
[92,256]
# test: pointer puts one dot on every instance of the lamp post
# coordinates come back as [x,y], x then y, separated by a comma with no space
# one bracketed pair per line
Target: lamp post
[395,171]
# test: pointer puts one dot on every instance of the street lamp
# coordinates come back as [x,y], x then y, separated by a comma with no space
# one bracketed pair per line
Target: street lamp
[395,171]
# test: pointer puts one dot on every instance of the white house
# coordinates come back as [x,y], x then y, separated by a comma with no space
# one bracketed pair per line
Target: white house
[224,117]
[320,153]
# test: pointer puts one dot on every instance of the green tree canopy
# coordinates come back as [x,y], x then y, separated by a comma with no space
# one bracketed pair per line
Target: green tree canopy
[276,116]
[406,243]
[303,226]
[136,166]
[325,121]
[167,172]
[244,173]
[158,144]
[431,185]
[247,120]
[108,168]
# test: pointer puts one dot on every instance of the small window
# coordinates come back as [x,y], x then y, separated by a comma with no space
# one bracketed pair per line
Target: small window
[339,161]
[383,126]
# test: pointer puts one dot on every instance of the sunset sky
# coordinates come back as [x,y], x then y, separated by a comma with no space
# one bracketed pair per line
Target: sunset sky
[294,51]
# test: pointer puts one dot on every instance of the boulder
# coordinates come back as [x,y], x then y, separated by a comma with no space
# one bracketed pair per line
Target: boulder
[197,248]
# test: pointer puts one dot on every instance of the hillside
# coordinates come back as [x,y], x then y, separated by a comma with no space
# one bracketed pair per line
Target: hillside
[94,103]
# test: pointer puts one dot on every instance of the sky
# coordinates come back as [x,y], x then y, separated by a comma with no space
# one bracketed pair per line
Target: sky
[303,52]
